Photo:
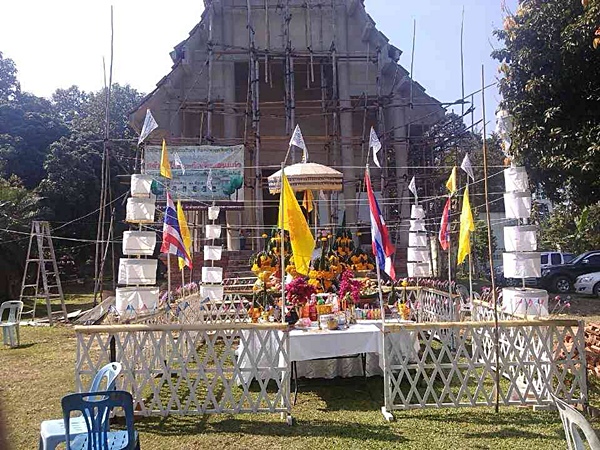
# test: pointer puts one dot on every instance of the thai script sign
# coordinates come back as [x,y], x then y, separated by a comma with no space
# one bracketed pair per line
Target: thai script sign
[200,172]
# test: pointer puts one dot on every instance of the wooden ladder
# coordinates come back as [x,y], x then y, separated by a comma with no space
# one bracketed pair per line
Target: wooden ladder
[40,265]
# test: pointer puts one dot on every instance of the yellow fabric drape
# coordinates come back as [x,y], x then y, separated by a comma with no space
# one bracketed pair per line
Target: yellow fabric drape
[292,219]
[451,183]
[466,226]
[308,201]
[185,235]
[165,166]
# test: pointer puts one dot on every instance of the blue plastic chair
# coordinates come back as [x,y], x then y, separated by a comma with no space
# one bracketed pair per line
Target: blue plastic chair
[52,432]
[96,408]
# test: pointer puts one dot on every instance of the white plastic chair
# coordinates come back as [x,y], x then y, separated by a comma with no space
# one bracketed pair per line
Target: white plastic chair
[10,326]
[573,421]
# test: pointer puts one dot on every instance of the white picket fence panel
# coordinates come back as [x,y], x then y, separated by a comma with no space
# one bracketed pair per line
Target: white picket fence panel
[458,369]
[192,368]
[193,309]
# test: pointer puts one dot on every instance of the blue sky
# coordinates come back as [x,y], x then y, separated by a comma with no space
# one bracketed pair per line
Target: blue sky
[60,43]
[437,44]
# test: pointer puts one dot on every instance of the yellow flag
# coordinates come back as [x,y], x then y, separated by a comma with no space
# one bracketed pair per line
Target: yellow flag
[451,183]
[308,200]
[466,226]
[165,166]
[292,219]
[185,235]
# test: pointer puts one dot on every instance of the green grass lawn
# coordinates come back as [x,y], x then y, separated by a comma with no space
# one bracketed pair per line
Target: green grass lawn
[338,414]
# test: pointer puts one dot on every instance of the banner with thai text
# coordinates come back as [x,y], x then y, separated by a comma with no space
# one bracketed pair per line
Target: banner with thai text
[200,172]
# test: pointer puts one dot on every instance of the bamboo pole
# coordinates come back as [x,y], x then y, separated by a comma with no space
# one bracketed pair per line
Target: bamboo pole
[490,256]
[99,263]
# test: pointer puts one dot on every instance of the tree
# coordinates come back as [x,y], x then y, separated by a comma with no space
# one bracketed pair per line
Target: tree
[570,228]
[9,85]
[69,104]
[550,85]
[71,187]
[24,140]
[18,207]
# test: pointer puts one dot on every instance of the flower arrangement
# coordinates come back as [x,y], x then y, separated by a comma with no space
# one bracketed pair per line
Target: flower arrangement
[298,291]
[360,261]
[350,288]
[561,305]
[404,311]
[343,244]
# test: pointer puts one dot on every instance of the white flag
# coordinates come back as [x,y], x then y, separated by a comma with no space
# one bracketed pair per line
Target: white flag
[322,196]
[209,180]
[374,142]
[467,167]
[149,126]
[178,163]
[412,186]
[298,141]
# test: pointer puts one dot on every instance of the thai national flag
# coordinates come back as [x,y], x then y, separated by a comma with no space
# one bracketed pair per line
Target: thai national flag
[382,245]
[172,242]
[444,235]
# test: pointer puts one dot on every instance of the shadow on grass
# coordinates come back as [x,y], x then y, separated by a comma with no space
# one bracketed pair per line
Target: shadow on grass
[23,346]
[343,394]
[508,433]
[506,417]
[179,426]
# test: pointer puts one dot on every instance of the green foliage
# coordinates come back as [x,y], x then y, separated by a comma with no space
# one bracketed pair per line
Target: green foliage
[25,136]
[18,207]
[571,229]
[9,85]
[55,148]
[551,86]
[480,247]
[448,142]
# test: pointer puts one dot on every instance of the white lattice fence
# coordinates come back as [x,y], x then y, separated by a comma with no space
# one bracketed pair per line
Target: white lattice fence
[484,311]
[193,309]
[437,306]
[461,371]
[192,368]
[510,341]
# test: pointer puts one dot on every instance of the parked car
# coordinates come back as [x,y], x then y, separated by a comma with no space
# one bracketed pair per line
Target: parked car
[562,278]
[547,259]
[588,284]
[555,258]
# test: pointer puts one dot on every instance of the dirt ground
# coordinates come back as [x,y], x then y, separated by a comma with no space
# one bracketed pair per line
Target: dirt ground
[582,307]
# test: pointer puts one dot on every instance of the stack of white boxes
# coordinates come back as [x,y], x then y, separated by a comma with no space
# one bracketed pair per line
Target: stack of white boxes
[137,272]
[521,260]
[418,261]
[212,277]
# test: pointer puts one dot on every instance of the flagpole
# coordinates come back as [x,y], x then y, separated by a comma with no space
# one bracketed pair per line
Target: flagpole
[168,276]
[490,256]
[182,281]
[282,235]
[385,408]
[470,261]
[450,259]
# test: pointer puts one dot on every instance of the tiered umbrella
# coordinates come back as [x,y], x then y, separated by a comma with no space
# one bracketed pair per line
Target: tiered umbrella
[307,176]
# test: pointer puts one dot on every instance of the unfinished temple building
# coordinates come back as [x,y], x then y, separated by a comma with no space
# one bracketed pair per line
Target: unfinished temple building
[253,69]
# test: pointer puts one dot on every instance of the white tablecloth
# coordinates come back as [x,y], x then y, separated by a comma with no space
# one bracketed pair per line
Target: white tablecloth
[365,337]
[315,343]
